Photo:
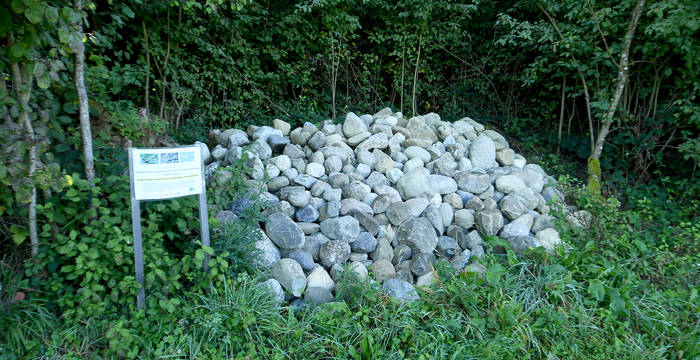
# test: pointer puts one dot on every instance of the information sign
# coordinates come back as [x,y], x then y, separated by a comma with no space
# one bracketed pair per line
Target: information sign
[165,173]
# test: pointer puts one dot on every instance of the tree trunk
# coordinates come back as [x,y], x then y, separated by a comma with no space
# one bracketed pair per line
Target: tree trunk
[561,113]
[24,90]
[85,128]
[415,76]
[594,171]
[148,68]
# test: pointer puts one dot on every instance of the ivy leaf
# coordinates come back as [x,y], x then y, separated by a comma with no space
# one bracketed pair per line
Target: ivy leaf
[19,234]
[51,14]
[17,6]
[494,274]
[43,81]
[39,69]
[63,34]
[34,13]
[17,50]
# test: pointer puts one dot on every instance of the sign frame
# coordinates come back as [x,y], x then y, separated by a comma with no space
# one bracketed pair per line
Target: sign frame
[136,219]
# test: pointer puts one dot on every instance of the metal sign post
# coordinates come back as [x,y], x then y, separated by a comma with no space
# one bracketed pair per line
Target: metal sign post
[165,173]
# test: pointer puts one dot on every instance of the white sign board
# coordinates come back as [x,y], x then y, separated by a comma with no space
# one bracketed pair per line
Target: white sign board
[166,172]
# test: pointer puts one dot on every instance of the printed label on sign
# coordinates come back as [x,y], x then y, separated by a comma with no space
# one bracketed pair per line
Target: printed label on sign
[166,173]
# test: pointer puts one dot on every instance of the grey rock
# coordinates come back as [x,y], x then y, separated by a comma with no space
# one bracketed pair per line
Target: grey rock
[474,203]
[318,277]
[282,126]
[461,260]
[383,251]
[319,188]
[313,244]
[240,205]
[367,222]
[445,164]
[542,222]
[533,177]
[333,164]
[464,218]
[294,151]
[317,140]
[426,280]
[414,184]
[305,260]
[442,184]
[417,152]
[400,290]
[418,233]
[376,179]
[355,190]
[489,222]
[447,213]
[473,240]
[233,137]
[315,170]
[401,253]
[422,264]
[351,206]
[404,275]
[553,195]
[383,270]
[345,228]
[514,229]
[509,183]
[353,125]
[332,209]
[505,157]
[548,238]
[388,190]
[264,132]
[309,228]
[284,232]
[277,143]
[512,206]
[334,252]
[290,275]
[298,196]
[521,243]
[333,195]
[433,215]
[226,217]
[478,252]
[261,149]
[399,212]
[376,141]
[299,137]
[358,257]
[275,290]
[365,243]
[474,183]
[581,219]
[318,296]
[281,207]
[448,247]
[268,254]
[381,204]
[218,153]
[394,175]
[482,153]
[282,162]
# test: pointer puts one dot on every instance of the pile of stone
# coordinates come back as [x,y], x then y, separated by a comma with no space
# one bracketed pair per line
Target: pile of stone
[387,195]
